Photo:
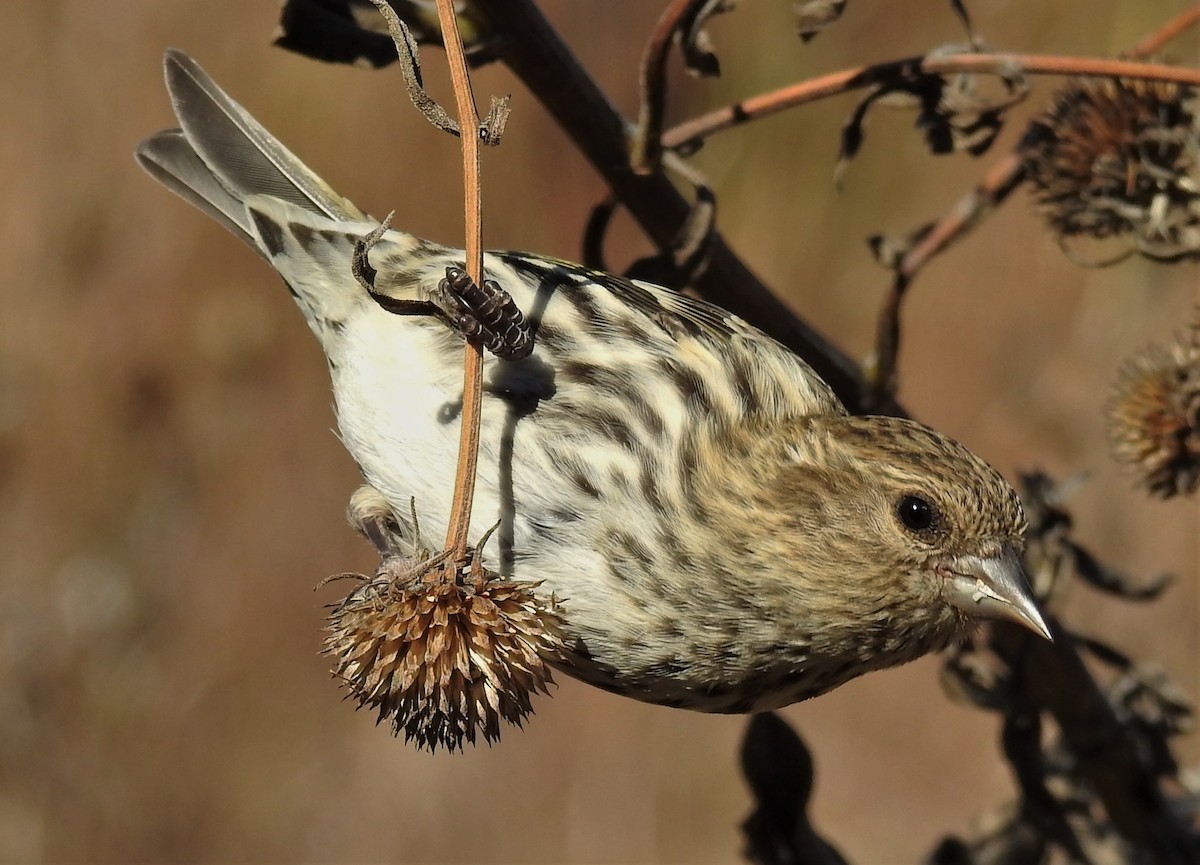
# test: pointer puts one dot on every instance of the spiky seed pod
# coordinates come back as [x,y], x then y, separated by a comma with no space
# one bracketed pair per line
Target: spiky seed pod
[1121,158]
[1154,415]
[443,659]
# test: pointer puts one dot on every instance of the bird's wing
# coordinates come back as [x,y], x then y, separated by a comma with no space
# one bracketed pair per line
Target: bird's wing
[746,374]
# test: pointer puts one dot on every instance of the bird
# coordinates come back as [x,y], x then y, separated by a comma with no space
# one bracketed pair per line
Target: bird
[723,534]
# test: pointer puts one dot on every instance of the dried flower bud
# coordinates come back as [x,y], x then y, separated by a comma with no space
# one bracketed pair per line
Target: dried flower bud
[444,658]
[1154,415]
[1121,158]
[813,16]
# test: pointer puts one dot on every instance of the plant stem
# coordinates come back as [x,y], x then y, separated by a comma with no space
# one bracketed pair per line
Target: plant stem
[468,441]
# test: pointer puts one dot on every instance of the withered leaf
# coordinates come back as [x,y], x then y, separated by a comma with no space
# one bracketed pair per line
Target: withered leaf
[961,11]
[594,232]
[335,31]
[694,42]
[973,678]
[1114,582]
[1103,652]
[680,263]
[953,114]
[813,16]
[779,769]
[687,257]
[1148,694]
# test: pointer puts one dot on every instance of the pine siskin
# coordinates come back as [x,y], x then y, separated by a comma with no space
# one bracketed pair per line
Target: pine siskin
[721,534]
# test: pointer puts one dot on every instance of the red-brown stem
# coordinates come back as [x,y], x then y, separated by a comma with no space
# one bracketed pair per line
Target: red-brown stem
[695,130]
[1155,41]
[1000,179]
[468,440]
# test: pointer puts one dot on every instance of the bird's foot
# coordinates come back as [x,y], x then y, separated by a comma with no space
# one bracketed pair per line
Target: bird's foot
[373,516]
[485,315]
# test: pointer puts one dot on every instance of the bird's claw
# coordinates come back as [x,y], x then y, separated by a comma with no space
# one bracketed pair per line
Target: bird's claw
[485,315]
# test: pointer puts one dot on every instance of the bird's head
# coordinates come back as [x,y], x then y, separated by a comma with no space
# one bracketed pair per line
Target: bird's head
[910,523]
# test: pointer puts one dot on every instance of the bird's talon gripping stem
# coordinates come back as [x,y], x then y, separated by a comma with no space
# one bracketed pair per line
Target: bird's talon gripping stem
[485,315]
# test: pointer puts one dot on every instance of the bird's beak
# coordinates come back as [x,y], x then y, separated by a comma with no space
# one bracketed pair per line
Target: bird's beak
[996,587]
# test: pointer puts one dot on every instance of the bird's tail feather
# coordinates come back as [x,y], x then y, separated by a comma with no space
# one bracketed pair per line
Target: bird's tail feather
[170,159]
[220,156]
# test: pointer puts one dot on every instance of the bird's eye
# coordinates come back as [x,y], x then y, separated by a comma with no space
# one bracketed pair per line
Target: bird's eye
[915,513]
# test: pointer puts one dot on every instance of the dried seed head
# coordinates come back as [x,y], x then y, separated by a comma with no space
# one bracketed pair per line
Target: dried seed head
[442,659]
[1154,415]
[1121,158]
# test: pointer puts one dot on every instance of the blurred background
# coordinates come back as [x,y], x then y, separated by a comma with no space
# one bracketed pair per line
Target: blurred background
[171,488]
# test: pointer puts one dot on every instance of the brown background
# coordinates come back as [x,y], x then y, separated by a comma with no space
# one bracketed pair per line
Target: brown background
[171,489]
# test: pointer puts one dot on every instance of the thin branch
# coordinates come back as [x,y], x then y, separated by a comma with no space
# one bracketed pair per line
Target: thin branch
[646,141]
[468,117]
[999,181]
[687,256]
[468,443]
[690,134]
[1153,43]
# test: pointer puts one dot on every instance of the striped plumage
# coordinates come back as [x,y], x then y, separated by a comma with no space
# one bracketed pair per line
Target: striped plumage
[724,535]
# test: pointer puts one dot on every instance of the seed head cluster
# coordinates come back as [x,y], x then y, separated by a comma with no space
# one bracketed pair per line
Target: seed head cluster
[444,659]
[1117,158]
[1154,415]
